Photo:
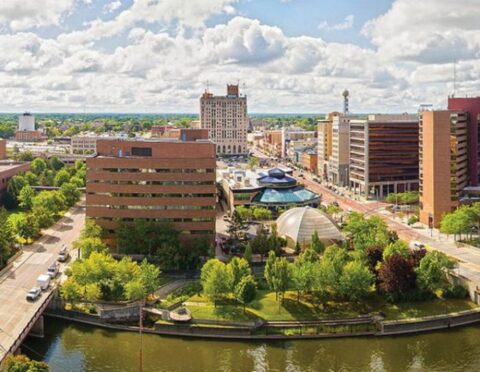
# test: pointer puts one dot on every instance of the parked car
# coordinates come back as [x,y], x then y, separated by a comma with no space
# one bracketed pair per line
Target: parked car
[63,255]
[33,294]
[43,281]
[53,270]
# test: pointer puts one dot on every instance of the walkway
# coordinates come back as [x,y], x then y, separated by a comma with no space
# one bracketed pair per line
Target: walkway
[15,312]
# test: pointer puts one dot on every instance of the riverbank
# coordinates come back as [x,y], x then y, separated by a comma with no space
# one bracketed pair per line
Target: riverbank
[334,328]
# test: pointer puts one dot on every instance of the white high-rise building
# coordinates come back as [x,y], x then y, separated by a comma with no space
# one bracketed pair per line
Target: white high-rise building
[226,119]
[26,122]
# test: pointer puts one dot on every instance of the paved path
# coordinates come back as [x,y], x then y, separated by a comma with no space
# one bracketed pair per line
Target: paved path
[15,311]
[168,288]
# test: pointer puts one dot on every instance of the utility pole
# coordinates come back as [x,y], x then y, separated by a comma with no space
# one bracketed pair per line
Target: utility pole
[141,304]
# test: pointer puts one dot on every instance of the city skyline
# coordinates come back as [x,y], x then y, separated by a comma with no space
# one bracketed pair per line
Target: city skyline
[290,56]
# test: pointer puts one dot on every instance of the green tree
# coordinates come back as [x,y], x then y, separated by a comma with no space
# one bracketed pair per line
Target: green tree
[25,197]
[43,216]
[246,290]
[51,201]
[89,245]
[248,253]
[55,164]
[21,363]
[356,281]
[150,276]
[61,177]
[7,237]
[27,227]
[399,247]
[238,268]
[316,244]
[215,279]
[70,193]
[302,275]
[432,271]
[91,230]
[366,232]
[15,184]
[71,291]
[268,272]
[260,243]
[38,166]
[457,223]
[261,214]
[280,277]
[244,212]
[32,179]
[135,291]
[253,162]
[92,292]
[330,269]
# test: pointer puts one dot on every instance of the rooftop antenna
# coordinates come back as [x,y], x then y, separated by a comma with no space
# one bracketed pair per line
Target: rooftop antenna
[244,89]
[208,85]
[346,95]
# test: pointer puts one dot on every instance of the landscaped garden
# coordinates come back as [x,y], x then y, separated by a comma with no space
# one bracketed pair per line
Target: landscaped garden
[372,273]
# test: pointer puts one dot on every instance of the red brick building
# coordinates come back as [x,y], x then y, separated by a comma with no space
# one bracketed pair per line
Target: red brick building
[3,149]
[8,169]
[162,181]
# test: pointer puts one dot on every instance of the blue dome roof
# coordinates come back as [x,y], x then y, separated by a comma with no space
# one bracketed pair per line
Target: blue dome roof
[276,173]
[277,177]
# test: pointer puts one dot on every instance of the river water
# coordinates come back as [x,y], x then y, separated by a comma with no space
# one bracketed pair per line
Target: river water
[73,347]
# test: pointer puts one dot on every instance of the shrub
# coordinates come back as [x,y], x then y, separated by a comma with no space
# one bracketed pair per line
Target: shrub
[455,291]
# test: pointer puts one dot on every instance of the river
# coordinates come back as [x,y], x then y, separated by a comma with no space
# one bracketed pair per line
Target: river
[74,347]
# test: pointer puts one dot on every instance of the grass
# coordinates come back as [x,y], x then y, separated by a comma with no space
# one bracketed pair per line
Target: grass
[266,307]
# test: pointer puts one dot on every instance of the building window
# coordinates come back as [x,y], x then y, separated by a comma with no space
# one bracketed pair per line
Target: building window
[141,151]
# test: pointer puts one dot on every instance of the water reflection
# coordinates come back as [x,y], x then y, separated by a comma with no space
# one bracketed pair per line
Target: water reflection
[73,347]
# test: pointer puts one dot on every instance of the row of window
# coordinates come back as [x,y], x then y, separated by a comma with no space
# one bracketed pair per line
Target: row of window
[155,207]
[154,170]
[150,183]
[150,195]
[163,220]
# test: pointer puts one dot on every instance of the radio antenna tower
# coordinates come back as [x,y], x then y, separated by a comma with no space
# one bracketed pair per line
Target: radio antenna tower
[454,77]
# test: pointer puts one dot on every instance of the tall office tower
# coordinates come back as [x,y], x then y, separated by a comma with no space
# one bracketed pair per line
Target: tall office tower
[470,105]
[165,181]
[226,119]
[384,154]
[443,163]
[324,147]
[339,162]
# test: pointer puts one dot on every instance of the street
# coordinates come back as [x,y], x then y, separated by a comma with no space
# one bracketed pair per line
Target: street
[15,311]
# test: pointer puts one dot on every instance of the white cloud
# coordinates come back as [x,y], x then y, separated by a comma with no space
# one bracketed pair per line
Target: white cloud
[24,14]
[427,31]
[112,6]
[345,25]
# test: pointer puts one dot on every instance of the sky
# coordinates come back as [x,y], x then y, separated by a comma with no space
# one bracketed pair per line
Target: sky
[289,56]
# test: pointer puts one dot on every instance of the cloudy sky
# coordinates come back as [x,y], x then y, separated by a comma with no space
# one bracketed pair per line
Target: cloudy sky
[288,55]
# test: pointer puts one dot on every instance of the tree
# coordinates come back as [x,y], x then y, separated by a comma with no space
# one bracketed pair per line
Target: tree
[274,241]
[91,230]
[236,227]
[135,291]
[89,245]
[365,232]
[61,177]
[70,193]
[396,277]
[71,291]
[261,214]
[238,268]
[32,179]
[245,290]
[356,281]
[248,253]
[25,197]
[7,237]
[268,272]
[330,268]
[92,292]
[15,184]
[316,244]
[43,216]
[280,277]
[260,243]
[51,201]
[244,212]
[253,162]
[399,247]
[374,255]
[457,223]
[27,227]
[215,280]
[55,164]
[21,363]
[432,271]
[38,166]
[302,275]
[150,276]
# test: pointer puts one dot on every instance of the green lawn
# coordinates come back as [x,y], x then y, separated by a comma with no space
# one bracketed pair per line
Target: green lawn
[266,307]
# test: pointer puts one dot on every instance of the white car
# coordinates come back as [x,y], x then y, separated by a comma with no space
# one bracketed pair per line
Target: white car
[33,294]
[53,270]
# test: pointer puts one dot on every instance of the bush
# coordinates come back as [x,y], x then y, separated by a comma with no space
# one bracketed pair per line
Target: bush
[412,220]
[455,291]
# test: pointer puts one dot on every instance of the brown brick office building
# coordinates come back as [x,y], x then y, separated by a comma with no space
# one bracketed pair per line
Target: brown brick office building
[164,181]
